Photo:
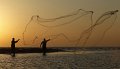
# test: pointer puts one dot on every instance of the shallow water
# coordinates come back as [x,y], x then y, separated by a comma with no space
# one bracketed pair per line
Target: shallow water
[62,60]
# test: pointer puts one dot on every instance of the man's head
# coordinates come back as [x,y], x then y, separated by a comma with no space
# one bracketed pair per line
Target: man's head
[44,39]
[13,39]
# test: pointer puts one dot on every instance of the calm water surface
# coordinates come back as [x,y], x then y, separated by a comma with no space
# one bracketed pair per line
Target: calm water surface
[62,60]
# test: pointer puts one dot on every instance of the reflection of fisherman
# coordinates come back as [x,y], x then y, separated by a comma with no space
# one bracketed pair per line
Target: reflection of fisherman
[13,46]
[43,45]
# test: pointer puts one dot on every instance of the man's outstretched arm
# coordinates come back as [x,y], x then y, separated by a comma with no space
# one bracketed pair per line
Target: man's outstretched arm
[17,41]
[48,40]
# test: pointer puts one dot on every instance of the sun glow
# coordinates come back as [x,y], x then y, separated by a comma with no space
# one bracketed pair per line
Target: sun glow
[5,28]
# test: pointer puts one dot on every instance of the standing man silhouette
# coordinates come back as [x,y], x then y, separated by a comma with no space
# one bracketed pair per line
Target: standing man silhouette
[43,45]
[13,46]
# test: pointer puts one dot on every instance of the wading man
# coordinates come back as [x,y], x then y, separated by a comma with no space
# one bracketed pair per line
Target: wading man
[13,46]
[43,45]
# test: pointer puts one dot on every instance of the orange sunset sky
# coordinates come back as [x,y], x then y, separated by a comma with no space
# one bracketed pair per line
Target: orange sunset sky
[15,14]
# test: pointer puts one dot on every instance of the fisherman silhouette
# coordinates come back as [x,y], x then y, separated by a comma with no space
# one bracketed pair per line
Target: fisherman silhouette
[43,45]
[13,46]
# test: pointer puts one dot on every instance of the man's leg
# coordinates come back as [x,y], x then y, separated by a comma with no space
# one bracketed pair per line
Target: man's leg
[14,52]
[44,52]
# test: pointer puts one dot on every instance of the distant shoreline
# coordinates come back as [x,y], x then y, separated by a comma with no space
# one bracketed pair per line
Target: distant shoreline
[7,50]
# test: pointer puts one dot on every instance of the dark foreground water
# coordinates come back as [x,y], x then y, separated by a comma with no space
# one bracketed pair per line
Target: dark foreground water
[63,60]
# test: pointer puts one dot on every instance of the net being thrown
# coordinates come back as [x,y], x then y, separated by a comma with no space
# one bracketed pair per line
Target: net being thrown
[36,29]
[60,27]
